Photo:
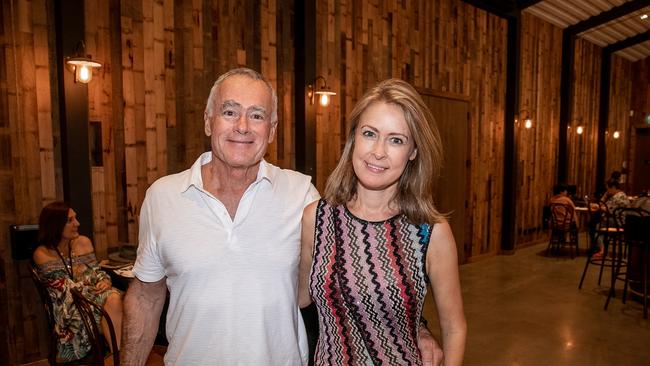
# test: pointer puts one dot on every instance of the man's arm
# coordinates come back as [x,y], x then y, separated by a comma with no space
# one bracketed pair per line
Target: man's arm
[430,350]
[143,304]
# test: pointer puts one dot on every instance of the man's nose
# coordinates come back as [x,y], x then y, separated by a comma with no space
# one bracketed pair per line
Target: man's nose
[241,125]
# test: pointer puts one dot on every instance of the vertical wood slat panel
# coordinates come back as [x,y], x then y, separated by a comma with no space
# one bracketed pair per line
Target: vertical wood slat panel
[616,150]
[537,147]
[582,148]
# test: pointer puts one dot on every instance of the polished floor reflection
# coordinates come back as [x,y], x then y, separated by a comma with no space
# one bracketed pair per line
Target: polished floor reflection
[526,309]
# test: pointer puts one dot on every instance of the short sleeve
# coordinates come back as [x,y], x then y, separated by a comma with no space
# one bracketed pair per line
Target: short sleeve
[312,195]
[148,265]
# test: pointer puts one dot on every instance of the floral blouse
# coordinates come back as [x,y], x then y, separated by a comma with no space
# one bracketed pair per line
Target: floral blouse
[69,328]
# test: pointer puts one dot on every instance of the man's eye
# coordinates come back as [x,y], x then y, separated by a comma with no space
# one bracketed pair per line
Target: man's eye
[229,113]
[258,116]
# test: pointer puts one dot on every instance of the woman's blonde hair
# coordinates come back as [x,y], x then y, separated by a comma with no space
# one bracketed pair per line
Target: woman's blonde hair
[414,195]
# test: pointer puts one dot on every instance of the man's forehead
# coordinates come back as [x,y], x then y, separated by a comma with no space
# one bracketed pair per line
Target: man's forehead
[241,87]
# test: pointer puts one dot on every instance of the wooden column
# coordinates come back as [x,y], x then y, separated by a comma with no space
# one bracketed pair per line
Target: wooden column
[73,104]
[305,38]
[508,227]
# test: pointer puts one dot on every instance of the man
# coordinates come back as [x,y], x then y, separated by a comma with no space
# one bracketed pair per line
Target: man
[224,238]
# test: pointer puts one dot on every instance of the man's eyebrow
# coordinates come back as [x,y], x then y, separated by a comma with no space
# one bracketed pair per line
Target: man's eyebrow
[230,104]
[257,108]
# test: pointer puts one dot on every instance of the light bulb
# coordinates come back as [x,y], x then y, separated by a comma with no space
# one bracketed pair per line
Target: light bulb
[528,123]
[579,130]
[84,74]
[616,134]
[324,100]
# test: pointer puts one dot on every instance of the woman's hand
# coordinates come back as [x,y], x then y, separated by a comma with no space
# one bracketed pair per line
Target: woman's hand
[103,285]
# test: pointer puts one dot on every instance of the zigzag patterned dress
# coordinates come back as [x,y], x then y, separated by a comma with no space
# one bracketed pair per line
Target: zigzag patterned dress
[368,282]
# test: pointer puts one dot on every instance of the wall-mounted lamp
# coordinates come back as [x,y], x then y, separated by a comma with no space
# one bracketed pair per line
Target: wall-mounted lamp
[82,65]
[528,122]
[324,92]
[580,130]
[616,134]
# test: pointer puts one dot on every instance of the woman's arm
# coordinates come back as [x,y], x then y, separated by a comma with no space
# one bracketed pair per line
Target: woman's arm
[442,267]
[306,250]
[143,304]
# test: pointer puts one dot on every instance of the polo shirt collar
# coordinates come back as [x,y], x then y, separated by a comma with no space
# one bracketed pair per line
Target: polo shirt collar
[264,173]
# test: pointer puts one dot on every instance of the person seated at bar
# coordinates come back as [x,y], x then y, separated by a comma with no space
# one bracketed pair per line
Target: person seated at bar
[561,196]
[615,198]
[65,260]
[643,201]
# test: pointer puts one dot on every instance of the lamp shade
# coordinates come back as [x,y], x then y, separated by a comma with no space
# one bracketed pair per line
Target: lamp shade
[83,68]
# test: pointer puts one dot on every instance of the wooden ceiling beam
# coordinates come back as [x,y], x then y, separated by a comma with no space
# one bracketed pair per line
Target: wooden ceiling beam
[627,42]
[607,16]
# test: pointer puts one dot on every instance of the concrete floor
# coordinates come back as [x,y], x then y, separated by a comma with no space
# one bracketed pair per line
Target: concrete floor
[526,309]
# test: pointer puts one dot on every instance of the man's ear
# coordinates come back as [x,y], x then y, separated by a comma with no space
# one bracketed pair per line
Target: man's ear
[207,127]
[274,128]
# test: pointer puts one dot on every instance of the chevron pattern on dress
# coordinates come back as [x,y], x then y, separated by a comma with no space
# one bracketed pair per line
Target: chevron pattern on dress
[368,282]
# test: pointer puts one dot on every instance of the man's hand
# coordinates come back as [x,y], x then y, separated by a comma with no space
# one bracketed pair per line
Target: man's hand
[429,349]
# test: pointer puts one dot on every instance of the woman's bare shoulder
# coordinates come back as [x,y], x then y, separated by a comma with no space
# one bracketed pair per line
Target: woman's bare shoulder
[82,245]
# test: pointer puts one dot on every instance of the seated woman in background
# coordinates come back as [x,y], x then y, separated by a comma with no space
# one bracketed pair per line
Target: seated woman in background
[614,198]
[64,260]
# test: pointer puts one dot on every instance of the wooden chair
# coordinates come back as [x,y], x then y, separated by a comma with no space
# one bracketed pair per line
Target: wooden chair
[563,229]
[49,313]
[88,308]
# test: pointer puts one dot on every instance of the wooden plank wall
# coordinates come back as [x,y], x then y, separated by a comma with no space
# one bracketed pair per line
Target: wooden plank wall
[581,149]
[616,150]
[160,58]
[541,61]
[586,101]
[443,45]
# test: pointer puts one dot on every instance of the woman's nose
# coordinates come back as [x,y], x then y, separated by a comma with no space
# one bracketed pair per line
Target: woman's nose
[378,150]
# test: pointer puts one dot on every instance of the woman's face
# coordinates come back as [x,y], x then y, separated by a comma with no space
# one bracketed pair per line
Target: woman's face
[71,228]
[383,145]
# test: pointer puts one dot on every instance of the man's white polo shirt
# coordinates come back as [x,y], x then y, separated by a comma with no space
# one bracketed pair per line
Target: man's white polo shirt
[232,283]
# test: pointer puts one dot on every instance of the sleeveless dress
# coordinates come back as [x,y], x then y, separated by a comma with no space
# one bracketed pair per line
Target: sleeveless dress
[368,283]
[73,342]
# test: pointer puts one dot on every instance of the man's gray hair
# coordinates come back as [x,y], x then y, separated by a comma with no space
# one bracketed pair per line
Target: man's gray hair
[212,98]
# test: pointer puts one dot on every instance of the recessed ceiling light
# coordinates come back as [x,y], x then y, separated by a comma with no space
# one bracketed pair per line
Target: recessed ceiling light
[644,16]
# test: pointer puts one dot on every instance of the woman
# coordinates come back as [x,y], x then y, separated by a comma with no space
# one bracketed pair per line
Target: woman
[614,199]
[375,240]
[64,260]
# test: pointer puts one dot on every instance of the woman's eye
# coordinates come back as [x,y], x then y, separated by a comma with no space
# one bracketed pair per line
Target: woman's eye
[367,133]
[396,140]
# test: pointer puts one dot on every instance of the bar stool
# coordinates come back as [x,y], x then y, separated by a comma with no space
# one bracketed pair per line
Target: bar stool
[636,244]
[609,231]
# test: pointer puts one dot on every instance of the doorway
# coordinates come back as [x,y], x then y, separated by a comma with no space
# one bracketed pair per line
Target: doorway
[452,118]
[641,174]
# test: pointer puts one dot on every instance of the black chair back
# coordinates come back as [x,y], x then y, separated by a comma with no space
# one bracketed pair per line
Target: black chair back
[87,309]
[49,311]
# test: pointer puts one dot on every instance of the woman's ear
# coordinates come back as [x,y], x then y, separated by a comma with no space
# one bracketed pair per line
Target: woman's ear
[413,154]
